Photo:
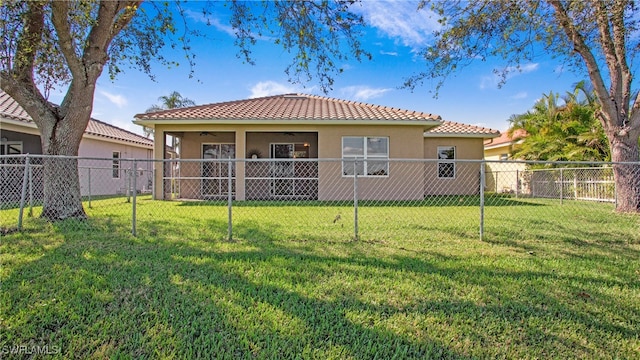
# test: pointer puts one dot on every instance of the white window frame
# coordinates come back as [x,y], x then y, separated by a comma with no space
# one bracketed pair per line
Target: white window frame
[347,163]
[447,161]
[115,165]
[8,145]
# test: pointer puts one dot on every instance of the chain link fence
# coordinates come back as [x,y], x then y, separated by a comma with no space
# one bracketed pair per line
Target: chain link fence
[323,199]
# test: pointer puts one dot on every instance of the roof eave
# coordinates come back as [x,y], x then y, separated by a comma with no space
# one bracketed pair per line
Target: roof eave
[111,139]
[427,124]
[461,135]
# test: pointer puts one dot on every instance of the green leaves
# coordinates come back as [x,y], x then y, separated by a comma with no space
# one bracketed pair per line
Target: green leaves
[562,129]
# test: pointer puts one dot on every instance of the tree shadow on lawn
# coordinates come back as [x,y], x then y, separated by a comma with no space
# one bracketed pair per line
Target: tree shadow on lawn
[139,290]
[540,235]
[146,296]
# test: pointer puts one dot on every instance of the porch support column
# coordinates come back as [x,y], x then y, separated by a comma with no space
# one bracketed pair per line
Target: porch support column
[241,139]
[158,166]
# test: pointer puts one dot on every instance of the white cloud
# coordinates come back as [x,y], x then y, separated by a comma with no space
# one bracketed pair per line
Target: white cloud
[363,93]
[210,20]
[521,95]
[390,53]
[118,100]
[268,88]
[215,22]
[493,80]
[399,20]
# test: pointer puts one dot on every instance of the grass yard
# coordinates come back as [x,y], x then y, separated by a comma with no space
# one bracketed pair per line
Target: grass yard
[548,281]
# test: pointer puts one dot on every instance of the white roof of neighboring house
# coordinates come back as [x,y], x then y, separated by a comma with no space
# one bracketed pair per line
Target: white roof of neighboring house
[303,109]
[10,109]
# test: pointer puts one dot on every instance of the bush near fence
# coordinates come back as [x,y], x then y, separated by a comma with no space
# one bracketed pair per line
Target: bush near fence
[322,198]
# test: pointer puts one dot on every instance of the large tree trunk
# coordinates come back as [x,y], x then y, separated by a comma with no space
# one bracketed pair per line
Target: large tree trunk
[61,137]
[62,198]
[626,176]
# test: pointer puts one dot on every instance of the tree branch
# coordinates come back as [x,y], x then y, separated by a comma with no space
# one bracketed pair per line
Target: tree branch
[609,51]
[592,65]
[130,8]
[619,40]
[60,12]
[27,45]
[103,33]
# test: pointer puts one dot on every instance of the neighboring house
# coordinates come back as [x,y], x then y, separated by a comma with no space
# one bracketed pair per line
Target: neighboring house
[503,177]
[19,135]
[299,126]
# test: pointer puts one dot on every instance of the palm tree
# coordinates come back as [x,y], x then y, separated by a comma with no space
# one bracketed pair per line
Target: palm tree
[562,132]
[172,101]
[175,100]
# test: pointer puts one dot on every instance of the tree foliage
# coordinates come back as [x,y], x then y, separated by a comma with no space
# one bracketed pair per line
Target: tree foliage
[597,38]
[172,101]
[561,129]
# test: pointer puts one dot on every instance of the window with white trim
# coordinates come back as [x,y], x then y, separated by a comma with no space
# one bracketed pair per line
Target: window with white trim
[372,153]
[116,165]
[11,147]
[446,169]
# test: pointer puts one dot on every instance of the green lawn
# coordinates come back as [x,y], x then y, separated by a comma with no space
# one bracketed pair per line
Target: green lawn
[548,281]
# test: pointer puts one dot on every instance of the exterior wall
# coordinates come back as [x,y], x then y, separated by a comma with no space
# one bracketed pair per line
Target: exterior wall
[101,171]
[30,143]
[496,152]
[502,177]
[405,142]
[467,175]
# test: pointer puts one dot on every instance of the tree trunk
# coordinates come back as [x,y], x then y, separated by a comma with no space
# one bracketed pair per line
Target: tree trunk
[626,176]
[62,196]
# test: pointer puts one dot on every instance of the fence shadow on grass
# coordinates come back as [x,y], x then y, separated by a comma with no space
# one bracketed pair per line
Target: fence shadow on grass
[430,201]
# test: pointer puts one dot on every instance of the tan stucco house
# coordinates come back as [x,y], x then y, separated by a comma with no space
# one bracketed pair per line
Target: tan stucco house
[297,127]
[502,176]
[19,135]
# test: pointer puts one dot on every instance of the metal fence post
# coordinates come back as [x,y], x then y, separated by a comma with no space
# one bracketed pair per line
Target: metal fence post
[561,187]
[89,186]
[229,202]
[517,182]
[30,191]
[482,184]
[127,184]
[134,173]
[23,194]
[355,199]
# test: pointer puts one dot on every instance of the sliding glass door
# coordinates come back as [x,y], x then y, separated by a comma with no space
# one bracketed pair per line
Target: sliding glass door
[215,170]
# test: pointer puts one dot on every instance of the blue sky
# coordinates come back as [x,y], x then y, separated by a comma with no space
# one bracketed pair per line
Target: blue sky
[395,31]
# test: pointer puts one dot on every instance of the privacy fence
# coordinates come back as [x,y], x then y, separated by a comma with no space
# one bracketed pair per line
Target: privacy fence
[367,199]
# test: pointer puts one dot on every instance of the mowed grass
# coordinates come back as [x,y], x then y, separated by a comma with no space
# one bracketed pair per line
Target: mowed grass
[546,281]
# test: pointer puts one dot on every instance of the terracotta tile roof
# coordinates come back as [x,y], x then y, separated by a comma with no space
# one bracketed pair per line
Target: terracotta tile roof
[102,129]
[504,138]
[289,107]
[10,108]
[454,128]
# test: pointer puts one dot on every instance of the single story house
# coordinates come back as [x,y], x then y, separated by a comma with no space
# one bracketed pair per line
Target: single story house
[294,128]
[19,135]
